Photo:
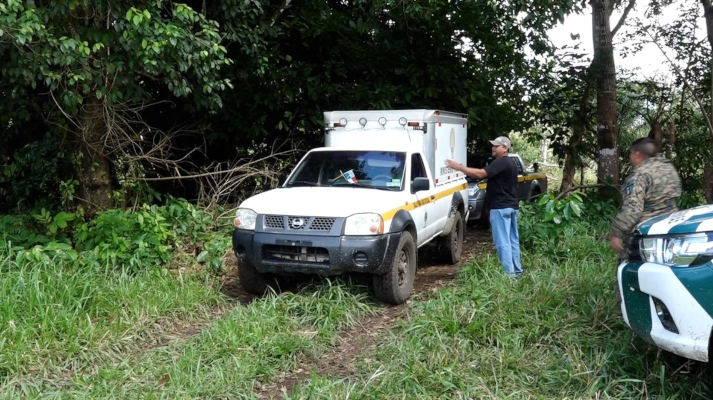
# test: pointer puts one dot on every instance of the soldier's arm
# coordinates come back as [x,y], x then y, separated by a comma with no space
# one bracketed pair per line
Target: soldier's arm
[633,207]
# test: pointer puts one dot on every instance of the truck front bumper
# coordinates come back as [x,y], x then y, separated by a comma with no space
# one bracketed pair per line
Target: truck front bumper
[315,254]
[476,208]
[668,307]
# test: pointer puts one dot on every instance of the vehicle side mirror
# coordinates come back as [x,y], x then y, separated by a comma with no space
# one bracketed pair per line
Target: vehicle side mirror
[420,184]
[536,167]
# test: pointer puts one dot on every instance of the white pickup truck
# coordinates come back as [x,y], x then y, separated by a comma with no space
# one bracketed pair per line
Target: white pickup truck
[365,202]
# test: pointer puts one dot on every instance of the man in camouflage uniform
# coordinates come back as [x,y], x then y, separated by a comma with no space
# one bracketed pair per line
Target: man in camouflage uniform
[650,190]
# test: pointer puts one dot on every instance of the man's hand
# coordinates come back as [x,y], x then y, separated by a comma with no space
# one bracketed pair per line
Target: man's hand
[616,243]
[455,165]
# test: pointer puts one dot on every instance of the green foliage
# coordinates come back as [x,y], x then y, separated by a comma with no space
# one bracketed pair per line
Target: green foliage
[561,210]
[57,224]
[400,56]
[97,49]
[542,225]
[29,176]
[75,68]
[690,200]
[154,235]
[21,231]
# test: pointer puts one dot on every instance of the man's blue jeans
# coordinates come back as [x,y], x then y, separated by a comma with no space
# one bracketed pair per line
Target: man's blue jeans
[503,223]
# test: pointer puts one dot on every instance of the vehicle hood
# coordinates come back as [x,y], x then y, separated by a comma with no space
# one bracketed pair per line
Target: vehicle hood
[325,201]
[697,219]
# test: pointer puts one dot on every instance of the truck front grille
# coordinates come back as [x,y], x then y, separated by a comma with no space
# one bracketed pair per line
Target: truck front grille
[295,253]
[293,223]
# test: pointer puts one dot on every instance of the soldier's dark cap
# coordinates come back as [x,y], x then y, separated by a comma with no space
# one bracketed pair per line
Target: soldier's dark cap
[501,141]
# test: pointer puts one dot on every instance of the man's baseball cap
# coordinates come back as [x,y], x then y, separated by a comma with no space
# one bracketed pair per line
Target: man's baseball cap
[501,141]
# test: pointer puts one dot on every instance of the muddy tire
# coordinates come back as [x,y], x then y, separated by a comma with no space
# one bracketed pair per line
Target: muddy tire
[451,246]
[394,287]
[256,283]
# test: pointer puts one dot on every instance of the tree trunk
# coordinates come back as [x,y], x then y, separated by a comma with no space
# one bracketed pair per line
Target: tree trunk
[671,134]
[94,169]
[708,169]
[605,76]
[656,133]
[573,158]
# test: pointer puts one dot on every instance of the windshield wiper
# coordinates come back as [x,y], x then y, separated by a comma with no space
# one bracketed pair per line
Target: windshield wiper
[360,185]
[303,183]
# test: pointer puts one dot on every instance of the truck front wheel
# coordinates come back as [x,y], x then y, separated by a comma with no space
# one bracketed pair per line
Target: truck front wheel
[451,246]
[254,282]
[394,287]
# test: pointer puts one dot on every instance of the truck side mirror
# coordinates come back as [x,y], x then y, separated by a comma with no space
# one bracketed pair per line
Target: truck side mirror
[420,184]
[536,167]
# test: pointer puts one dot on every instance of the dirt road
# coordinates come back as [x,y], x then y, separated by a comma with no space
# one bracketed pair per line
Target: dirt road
[357,342]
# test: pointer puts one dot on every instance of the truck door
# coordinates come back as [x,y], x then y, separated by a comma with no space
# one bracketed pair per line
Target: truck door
[424,212]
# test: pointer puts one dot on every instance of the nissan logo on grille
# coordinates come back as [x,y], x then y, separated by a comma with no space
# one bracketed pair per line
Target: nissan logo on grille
[297,223]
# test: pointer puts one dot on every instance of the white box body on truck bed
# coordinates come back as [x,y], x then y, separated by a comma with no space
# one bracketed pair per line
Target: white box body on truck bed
[365,202]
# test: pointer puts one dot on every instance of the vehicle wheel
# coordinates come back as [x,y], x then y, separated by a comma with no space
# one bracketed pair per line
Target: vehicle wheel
[535,196]
[256,283]
[451,246]
[394,287]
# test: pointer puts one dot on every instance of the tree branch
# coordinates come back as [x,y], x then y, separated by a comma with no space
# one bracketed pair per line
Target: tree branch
[619,24]
[572,189]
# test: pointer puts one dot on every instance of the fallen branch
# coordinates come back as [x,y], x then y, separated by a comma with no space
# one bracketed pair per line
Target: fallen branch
[573,188]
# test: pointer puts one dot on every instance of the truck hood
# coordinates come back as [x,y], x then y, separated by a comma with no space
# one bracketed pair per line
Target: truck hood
[697,219]
[324,201]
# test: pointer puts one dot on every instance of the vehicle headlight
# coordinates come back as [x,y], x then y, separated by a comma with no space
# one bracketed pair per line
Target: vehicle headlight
[473,190]
[245,219]
[677,251]
[364,224]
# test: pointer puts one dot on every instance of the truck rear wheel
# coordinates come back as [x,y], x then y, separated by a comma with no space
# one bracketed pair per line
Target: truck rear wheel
[394,287]
[254,282]
[451,246]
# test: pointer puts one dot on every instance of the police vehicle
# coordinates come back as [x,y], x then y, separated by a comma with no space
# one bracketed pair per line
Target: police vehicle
[666,283]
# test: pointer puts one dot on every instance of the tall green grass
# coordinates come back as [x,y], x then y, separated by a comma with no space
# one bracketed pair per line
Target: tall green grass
[57,317]
[108,334]
[555,333]
[113,332]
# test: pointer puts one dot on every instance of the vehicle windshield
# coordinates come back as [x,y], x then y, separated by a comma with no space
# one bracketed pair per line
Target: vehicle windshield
[371,169]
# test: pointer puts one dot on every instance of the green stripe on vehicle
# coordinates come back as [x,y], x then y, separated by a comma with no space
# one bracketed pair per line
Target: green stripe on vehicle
[697,281]
[636,302]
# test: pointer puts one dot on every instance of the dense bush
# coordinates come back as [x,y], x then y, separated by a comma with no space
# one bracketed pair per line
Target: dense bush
[150,236]
[31,176]
[543,224]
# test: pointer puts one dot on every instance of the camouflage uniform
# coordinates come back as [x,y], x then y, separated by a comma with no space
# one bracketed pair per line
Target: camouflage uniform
[651,190]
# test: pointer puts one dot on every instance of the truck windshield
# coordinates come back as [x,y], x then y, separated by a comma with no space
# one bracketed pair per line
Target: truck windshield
[371,169]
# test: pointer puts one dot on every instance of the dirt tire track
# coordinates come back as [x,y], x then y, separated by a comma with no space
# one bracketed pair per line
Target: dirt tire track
[358,343]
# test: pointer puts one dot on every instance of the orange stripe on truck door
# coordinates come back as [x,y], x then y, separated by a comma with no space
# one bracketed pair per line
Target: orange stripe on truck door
[415,204]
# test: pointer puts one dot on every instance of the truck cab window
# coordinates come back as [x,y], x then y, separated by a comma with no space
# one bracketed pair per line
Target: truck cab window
[418,170]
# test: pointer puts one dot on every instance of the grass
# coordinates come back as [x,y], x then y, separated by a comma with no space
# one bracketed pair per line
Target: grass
[99,334]
[556,333]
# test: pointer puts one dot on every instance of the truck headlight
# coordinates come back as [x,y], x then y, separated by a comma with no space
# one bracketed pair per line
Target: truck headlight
[364,224]
[245,219]
[473,190]
[677,251]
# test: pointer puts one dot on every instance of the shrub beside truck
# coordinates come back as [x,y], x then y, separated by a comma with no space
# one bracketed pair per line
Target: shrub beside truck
[377,191]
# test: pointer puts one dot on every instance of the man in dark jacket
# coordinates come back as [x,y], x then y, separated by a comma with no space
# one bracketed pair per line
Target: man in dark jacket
[501,196]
